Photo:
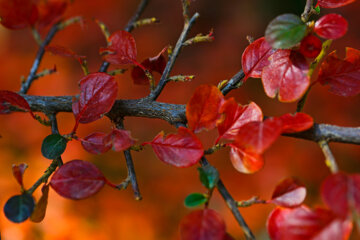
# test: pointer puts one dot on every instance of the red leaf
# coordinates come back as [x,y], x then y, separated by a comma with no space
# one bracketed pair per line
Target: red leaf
[343,76]
[94,143]
[64,52]
[182,149]
[334,3]
[235,117]
[256,57]
[18,172]
[296,123]
[310,46]
[331,26]
[50,12]
[203,224]
[341,193]
[202,111]
[244,160]
[8,98]
[122,49]
[119,139]
[17,14]
[77,179]
[40,209]
[154,64]
[97,95]
[256,137]
[289,193]
[303,223]
[286,76]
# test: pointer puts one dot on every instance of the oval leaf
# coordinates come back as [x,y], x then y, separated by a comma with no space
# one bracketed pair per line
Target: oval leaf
[297,122]
[285,31]
[97,95]
[19,208]
[77,179]
[8,98]
[209,176]
[334,3]
[122,49]
[245,161]
[182,149]
[340,193]
[53,146]
[195,199]
[331,26]
[342,75]
[286,76]
[303,223]
[202,111]
[94,143]
[50,12]
[289,193]
[256,57]
[18,172]
[40,208]
[202,225]
[119,139]
[235,117]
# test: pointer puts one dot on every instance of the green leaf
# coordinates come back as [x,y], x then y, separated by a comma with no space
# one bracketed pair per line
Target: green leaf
[285,31]
[19,208]
[317,9]
[53,146]
[195,199]
[209,176]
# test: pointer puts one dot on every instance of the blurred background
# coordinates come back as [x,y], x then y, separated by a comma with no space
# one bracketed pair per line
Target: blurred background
[113,214]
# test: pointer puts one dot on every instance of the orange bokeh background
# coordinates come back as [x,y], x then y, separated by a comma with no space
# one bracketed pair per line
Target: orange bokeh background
[113,214]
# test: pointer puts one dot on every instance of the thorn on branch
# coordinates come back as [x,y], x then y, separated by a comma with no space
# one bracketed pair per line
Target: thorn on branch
[250,202]
[329,157]
[200,38]
[145,21]
[181,78]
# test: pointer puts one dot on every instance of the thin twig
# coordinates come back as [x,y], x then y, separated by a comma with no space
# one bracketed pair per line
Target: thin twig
[308,11]
[130,166]
[170,64]
[234,82]
[329,157]
[129,27]
[40,53]
[232,204]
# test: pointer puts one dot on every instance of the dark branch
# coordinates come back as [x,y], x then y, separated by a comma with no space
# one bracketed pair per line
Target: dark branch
[32,75]
[232,204]
[308,11]
[129,27]
[164,77]
[234,82]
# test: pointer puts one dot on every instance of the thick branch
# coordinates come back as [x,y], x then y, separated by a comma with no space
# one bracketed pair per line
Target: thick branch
[234,82]
[129,27]
[175,113]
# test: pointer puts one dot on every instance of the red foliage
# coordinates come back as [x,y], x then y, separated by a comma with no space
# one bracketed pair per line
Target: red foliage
[50,12]
[17,14]
[8,98]
[119,139]
[286,76]
[331,26]
[98,92]
[303,223]
[153,64]
[343,75]
[256,57]
[64,52]
[310,46]
[341,193]
[235,117]
[289,193]
[121,49]
[334,3]
[296,123]
[18,172]
[202,111]
[182,149]
[245,160]
[94,143]
[203,224]
[77,179]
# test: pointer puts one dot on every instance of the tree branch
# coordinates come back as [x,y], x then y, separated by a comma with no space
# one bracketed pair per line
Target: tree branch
[129,27]
[170,64]
[234,82]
